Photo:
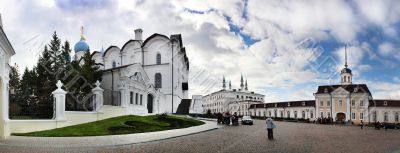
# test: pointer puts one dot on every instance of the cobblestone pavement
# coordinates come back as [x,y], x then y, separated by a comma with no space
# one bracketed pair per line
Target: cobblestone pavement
[289,137]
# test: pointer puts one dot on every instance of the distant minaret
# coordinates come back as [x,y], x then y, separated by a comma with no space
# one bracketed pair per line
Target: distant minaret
[223,83]
[241,82]
[245,88]
[345,74]
[230,85]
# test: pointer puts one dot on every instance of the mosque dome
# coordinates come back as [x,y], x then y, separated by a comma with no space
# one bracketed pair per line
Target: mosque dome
[81,46]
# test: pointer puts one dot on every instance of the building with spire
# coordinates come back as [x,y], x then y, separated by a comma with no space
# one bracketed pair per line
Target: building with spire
[232,100]
[344,102]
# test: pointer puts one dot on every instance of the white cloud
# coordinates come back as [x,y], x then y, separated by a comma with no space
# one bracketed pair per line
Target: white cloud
[275,61]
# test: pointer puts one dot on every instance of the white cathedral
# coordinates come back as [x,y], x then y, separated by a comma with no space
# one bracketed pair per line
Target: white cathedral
[146,76]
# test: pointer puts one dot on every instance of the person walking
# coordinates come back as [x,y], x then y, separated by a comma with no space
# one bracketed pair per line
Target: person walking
[362,124]
[270,127]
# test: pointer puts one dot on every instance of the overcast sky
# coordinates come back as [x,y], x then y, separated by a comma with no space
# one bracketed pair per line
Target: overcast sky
[285,49]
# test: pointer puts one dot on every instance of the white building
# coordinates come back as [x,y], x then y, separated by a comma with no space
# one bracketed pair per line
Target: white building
[232,100]
[146,76]
[6,51]
[342,102]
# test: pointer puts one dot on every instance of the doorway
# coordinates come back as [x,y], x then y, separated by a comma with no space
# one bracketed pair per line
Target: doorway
[340,117]
[150,103]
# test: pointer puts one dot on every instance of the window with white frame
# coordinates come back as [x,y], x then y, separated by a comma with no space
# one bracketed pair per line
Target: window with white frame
[374,116]
[385,116]
[361,102]
[311,114]
[396,117]
[131,97]
[303,114]
[361,116]
[328,103]
[295,114]
[340,103]
[353,102]
[288,114]
[321,103]
[158,80]
[281,113]
[353,116]
[322,114]
[158,59]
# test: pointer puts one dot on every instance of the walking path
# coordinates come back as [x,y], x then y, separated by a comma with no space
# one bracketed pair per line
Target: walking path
[111,140]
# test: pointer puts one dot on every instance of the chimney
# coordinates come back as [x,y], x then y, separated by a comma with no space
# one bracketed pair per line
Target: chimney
[138,34]
[1,22]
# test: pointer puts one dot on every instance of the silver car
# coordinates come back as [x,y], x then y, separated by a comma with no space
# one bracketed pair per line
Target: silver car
[247,120]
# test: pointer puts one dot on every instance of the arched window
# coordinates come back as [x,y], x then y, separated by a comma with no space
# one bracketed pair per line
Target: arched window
[288,114]
[295,114]
[158,80]
[303,114]
[396,117]
[114,64]
[158,62]
[311,114]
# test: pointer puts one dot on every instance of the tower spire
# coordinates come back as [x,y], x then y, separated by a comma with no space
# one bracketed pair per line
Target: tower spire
[241,81]
[223,82]
[82,37]
[345,55]
[245,88]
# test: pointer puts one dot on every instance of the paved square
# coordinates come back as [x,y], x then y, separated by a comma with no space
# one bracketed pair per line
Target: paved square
[289,137]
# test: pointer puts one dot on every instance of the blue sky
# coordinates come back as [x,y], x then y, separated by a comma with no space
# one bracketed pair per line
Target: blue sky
[272,43]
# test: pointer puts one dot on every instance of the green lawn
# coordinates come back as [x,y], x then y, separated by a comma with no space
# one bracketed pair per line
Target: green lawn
[119,125]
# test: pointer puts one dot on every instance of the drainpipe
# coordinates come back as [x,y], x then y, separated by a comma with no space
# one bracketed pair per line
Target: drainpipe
[112,87]
[172,80]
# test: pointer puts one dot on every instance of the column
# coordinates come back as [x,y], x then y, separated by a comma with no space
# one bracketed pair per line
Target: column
[59,99]
[122,91]
[98,97]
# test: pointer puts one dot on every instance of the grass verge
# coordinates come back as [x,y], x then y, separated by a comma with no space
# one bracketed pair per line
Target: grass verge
[119,125]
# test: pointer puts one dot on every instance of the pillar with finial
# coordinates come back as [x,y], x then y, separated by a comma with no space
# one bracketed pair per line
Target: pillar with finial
[98,96]
[59,102]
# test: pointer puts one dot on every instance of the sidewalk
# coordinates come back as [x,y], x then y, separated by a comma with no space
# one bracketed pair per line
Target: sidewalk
[111,140]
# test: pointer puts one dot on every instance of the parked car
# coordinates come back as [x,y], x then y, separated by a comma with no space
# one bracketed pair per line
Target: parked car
[390,126]
[247,120]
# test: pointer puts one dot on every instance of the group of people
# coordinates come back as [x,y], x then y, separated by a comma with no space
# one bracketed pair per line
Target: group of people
[226,118]
[324,120]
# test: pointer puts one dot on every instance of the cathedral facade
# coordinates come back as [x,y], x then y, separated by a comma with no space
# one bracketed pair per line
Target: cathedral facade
[145,76]
[342,102]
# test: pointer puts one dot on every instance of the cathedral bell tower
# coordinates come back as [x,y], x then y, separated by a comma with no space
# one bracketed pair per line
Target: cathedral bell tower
[346,75]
